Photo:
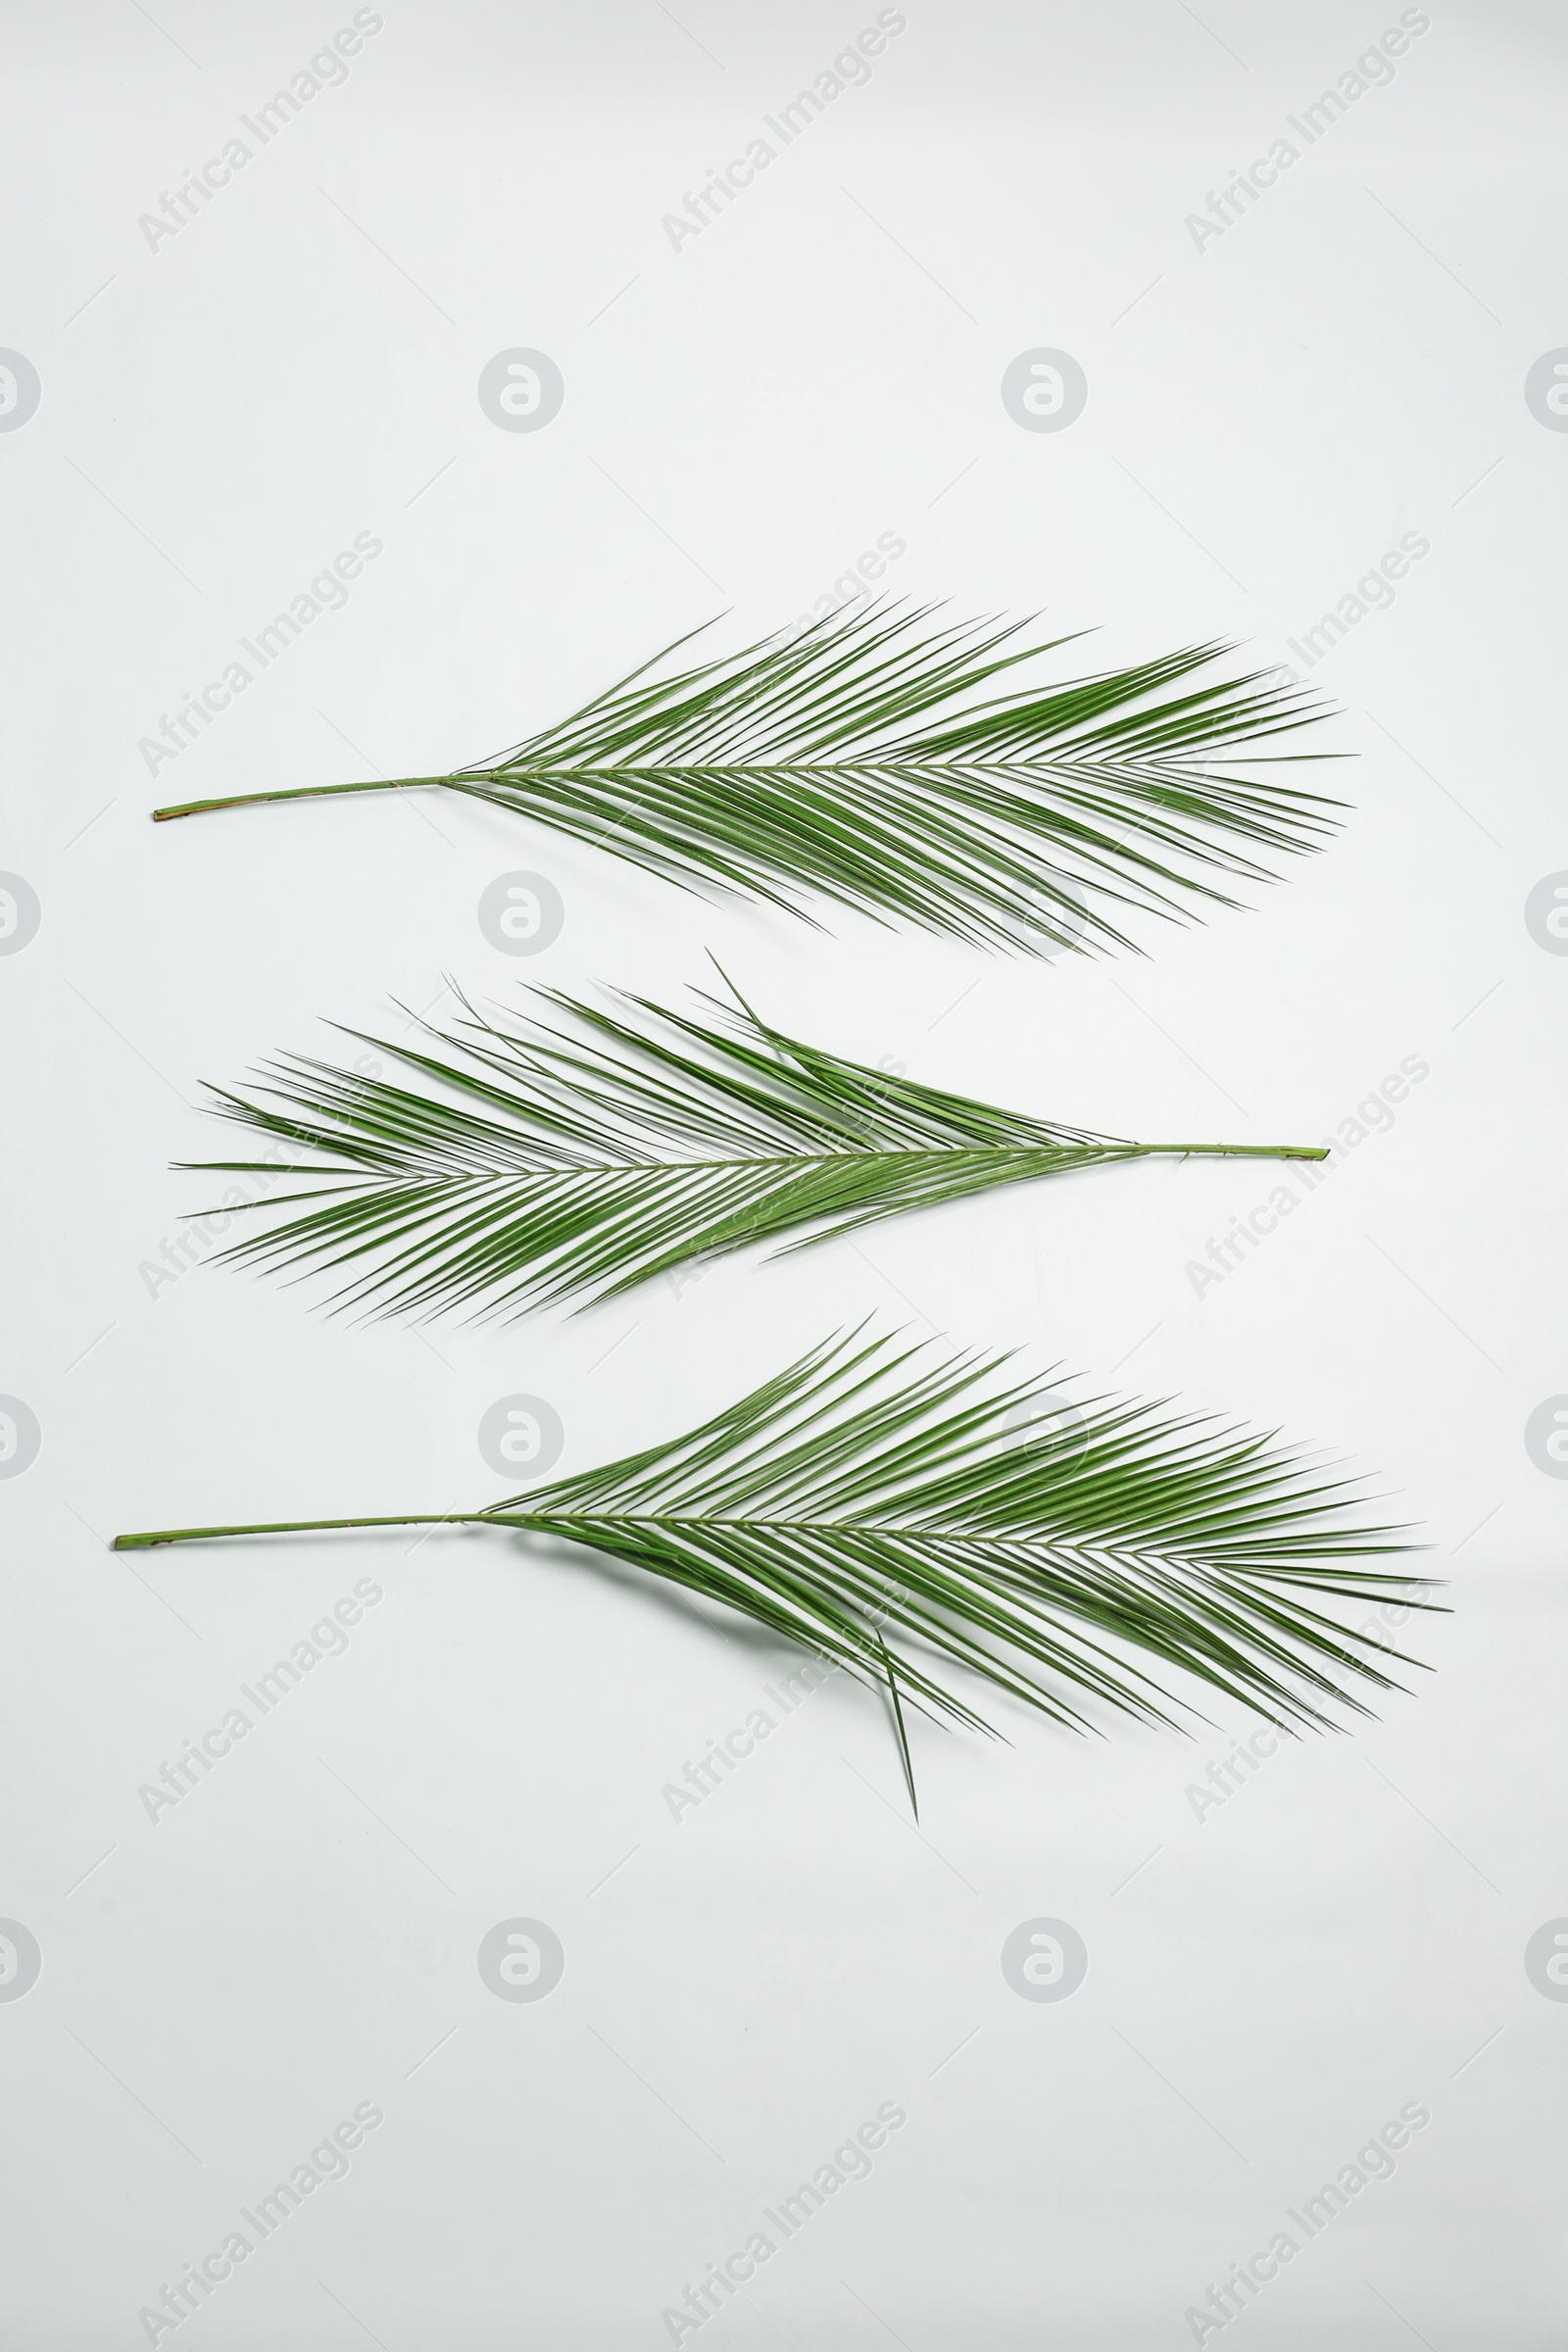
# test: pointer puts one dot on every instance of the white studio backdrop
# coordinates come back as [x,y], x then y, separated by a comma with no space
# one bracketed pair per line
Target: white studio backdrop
[208,400]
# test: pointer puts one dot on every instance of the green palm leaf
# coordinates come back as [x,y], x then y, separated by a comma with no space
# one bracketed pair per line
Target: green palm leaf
[865,1496]
[524,1165]
[865,761]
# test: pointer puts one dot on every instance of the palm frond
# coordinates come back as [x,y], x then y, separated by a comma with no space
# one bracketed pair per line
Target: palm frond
[521,1165]
[891,1509]
[868,763]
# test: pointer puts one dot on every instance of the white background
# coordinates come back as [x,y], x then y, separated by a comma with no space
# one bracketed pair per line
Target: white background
[742,417]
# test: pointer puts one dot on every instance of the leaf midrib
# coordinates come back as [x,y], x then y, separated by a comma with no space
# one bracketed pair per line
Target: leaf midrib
[546,1521]
[896,766]
[811,1159]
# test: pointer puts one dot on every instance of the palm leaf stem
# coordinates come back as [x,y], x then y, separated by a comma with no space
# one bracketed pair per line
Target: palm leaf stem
[302,792]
